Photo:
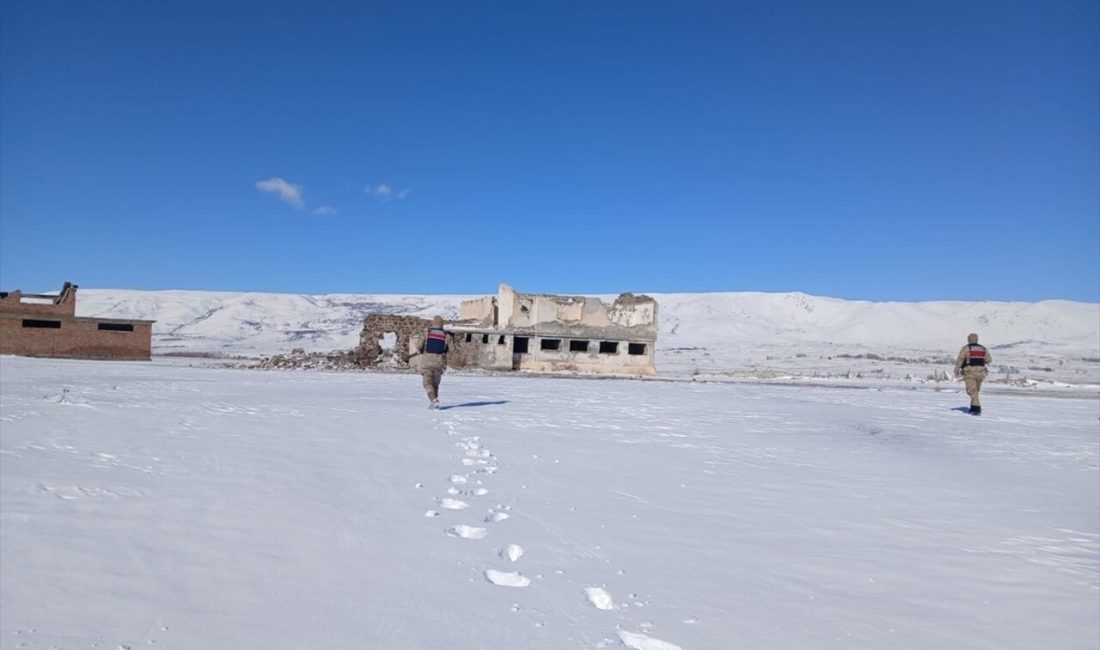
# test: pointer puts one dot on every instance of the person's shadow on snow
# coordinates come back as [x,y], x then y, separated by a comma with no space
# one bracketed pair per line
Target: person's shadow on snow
[467,404]
[963,409]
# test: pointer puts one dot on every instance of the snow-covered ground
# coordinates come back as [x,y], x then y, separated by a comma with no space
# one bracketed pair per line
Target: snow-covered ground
[161,505]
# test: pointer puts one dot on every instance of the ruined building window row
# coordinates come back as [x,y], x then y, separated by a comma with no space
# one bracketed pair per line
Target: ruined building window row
[484,338]
[521,344]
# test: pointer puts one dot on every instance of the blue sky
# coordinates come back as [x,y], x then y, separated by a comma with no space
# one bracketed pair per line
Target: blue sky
[865,150]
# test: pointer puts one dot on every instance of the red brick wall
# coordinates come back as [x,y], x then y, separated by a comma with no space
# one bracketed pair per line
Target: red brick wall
[77,338]
[12,303]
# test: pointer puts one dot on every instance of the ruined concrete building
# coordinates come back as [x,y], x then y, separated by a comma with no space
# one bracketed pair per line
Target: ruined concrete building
[545,333]
[531,332]
[47,326]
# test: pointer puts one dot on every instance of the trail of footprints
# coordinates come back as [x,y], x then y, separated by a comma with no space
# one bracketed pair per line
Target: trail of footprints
[481,463]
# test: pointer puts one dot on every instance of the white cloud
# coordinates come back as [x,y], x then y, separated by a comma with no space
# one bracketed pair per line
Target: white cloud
[288,192]
[324,210]
[385,192]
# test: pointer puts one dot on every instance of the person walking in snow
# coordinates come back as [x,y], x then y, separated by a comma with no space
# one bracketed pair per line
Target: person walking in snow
[971,365]
[433,359]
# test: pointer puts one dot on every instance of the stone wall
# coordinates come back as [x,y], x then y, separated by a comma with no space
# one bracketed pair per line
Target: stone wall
[407,329]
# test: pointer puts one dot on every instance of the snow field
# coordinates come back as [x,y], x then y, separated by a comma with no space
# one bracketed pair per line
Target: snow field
[146,504]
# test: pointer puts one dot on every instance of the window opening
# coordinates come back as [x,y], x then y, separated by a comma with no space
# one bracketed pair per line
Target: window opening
[578,346]
[519,345]
[115,327]
[550,344]
[635,348]
[609,347]
[47,324]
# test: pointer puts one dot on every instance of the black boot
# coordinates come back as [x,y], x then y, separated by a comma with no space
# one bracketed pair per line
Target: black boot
[975,410]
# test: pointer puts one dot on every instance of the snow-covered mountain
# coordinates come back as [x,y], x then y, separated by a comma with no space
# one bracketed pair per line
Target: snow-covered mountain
[698,331]
[244,324]
[797,318]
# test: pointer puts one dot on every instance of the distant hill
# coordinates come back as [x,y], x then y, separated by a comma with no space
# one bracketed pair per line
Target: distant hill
[229,324]
[714,331]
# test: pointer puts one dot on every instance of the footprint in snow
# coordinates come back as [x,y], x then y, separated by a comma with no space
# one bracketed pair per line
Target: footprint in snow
[512,552]
[458,479]
[495,516]
[479,492]
[599,598]
[466,532]
[453,504]
[637,641]
[506,578]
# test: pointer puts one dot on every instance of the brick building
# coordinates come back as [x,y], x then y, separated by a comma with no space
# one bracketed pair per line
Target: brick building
[36,325]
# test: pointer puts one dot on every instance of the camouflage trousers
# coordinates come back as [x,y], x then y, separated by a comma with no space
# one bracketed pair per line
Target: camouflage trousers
[432,377]
[973,376]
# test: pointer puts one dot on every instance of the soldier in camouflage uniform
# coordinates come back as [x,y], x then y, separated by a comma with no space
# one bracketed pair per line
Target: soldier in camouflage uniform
[971,366]
[433,359]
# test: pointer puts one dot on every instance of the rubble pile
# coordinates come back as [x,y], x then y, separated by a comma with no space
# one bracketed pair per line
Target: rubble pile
[299,359]
[384,344]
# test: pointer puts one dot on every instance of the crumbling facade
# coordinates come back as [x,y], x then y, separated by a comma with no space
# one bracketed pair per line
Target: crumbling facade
[47,326]
[389,339]
[547,333]
[527,332]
